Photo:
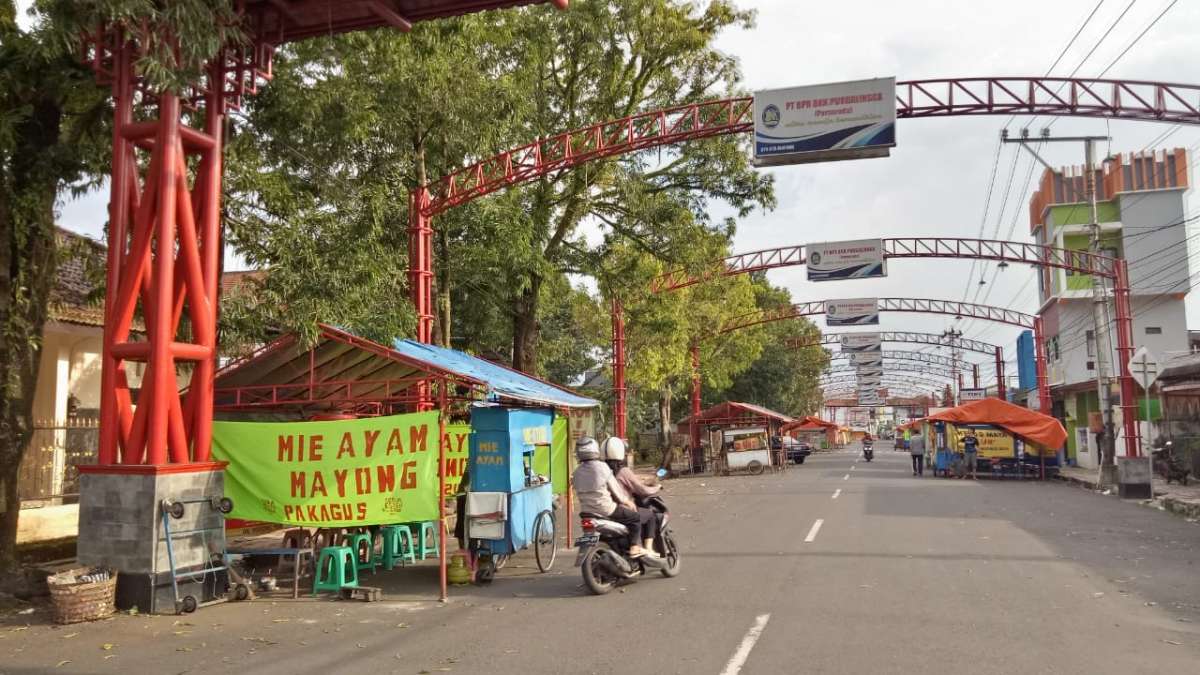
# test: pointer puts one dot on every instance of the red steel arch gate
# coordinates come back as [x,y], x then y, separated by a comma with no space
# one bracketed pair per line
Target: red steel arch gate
[917,305]
[165,235]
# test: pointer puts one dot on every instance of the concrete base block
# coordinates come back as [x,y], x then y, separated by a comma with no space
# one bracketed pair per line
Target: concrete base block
[1134,478]
[121,526]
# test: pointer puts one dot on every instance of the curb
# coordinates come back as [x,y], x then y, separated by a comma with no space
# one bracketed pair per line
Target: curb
[1179,507]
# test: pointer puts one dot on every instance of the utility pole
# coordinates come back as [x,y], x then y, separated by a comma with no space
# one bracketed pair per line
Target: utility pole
[953,335]
[1100,313]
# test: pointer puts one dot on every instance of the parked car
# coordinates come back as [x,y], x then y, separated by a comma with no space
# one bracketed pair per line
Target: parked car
[797,451]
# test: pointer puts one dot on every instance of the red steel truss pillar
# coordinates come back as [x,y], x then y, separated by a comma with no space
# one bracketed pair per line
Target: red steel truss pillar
[694,428]
[1000,388]
[1124,319]
[420,262]
[975,375]
[618,368]
[1043,378]
[164,251]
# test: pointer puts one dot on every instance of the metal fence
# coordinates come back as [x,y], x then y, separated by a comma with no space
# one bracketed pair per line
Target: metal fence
[48,470]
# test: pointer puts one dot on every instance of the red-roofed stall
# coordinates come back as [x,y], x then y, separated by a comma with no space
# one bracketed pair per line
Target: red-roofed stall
[734,424]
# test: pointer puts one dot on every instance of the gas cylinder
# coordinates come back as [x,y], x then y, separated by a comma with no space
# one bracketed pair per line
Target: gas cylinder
[458,573]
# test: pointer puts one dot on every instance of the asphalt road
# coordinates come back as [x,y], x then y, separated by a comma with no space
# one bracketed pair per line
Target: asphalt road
[903,575]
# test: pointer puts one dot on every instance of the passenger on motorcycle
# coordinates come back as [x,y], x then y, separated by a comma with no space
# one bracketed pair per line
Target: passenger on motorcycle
[600,494]
[613,454]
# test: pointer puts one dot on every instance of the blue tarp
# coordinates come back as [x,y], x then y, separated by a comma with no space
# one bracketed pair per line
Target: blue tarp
[501,381]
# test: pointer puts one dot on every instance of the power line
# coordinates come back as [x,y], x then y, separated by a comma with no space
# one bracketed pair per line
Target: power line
[1139,37]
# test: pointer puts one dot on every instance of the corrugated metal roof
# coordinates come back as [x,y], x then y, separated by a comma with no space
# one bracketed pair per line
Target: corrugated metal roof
[501,381]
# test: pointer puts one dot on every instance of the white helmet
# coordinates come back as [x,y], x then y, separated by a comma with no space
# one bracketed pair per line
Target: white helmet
[614,449]
[586,449]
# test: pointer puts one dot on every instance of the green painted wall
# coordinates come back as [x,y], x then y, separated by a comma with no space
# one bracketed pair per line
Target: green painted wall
[1081,213]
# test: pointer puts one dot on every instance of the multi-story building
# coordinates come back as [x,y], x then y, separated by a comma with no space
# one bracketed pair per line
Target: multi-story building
[1143,219]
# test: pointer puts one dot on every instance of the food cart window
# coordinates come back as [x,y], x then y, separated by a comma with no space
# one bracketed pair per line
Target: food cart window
[535,459]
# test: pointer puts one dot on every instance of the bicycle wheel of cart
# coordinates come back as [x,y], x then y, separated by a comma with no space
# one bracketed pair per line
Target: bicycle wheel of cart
[754,467]
[545,544]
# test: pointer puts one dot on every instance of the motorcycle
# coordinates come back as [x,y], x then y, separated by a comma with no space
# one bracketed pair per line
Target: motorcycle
[1169,466]
[868,451]
[604,551]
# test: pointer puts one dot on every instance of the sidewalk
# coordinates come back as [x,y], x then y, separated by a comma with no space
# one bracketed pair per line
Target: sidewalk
[1178,499]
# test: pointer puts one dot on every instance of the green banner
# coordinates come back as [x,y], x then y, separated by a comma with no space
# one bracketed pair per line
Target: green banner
[338,473]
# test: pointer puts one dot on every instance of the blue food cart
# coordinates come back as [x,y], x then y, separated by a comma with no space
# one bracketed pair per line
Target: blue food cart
[510,507]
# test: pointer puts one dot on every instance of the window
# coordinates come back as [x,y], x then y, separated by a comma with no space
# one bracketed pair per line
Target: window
[1052,351]
[1153,330]
[1091,343]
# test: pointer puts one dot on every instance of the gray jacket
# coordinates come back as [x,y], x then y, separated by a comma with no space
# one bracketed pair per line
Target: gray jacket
[916,444]
[597,488]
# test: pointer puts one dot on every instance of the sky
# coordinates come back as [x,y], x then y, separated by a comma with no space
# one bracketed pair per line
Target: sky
[936,181]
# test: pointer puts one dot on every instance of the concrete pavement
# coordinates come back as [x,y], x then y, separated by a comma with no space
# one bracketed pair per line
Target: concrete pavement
[902,575]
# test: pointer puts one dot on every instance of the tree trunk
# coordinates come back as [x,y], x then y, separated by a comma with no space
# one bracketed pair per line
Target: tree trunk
[443,287]
[664,418]
[526,331]
[28,187]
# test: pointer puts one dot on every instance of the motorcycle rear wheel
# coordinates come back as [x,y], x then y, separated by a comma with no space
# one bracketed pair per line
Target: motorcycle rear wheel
[597,579]
[670,556]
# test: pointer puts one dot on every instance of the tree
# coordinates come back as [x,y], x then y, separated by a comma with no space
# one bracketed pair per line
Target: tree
[319,180]
[783,378]
[602,61]
[53,138]
[661,327]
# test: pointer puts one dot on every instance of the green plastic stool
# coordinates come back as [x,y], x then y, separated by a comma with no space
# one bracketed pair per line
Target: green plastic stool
[363,545]
[340,572]
[425,531]
[397,546]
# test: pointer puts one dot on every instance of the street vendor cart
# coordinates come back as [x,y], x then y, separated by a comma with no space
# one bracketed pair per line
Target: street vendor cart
[510,507]
[746,449]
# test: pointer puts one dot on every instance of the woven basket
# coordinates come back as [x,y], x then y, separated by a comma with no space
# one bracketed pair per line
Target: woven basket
[74,601]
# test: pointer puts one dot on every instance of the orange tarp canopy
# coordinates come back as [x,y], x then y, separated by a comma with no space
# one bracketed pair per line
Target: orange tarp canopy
[1033,426]
[809,423]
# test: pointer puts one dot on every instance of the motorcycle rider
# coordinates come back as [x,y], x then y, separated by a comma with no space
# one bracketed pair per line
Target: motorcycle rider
[613,454]
[601,494]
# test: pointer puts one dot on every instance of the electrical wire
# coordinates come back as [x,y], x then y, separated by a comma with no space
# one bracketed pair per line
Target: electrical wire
[1138,38]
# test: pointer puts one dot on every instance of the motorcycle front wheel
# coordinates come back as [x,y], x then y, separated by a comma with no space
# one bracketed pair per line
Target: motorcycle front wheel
[598,579]
[670,556]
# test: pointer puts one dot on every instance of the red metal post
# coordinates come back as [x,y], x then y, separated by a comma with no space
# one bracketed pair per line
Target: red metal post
[1043,378]
[1001,393]
[420,262]
[693,427]
[1124,319]
[975,375]
[443,411]
[164,254]
[618,368]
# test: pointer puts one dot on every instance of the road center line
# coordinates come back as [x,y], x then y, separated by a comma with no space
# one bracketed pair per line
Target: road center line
[812,534]
[734,666]
[836,493]
[846,477]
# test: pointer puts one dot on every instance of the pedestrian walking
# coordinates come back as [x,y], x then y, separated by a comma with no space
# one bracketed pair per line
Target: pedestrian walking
[971,453]
[916,447]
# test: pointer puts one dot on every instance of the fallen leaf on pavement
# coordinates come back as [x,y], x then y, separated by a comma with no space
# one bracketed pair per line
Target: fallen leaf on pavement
[1172,642]
[261,640]
[68,636]
[110,656]
[107,646]
[62,663]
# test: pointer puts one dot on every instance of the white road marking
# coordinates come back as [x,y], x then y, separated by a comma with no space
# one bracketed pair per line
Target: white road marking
[836,493]
[812,534]
[846,477]
[734,666]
